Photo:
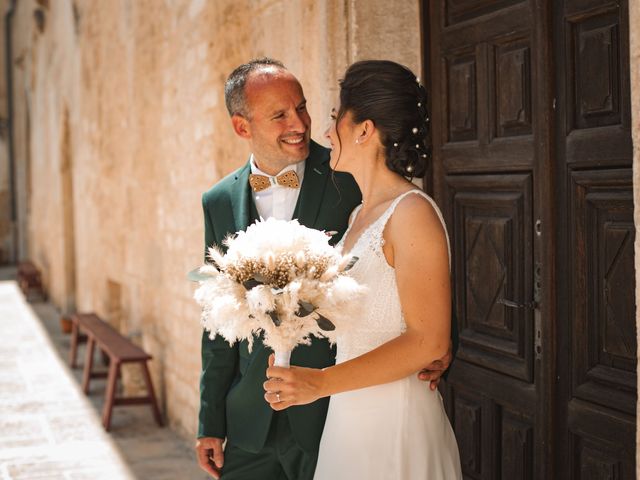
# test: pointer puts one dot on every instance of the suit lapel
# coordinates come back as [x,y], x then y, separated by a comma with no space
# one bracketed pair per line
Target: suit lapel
[316,174]
[241,199]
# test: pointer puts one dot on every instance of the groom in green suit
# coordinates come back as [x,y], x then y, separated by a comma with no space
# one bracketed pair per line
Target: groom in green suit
[287,176]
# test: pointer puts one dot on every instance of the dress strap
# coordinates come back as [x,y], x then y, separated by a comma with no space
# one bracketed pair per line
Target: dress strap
[352,217]
[384,218]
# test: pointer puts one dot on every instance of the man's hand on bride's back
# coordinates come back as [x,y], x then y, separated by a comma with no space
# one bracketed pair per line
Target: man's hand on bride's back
[435,370]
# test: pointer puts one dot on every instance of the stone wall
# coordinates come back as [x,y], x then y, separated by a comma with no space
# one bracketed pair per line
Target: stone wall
[120,126]
[6,220]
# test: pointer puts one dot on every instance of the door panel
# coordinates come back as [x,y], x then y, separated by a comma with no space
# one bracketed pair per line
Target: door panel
[594,61]
[486,80]
[597,335]
[463,10]
[604,366]
[532,153]
[484,125]
[492,220]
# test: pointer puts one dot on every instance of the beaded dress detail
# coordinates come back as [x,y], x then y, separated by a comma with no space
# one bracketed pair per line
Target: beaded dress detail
[382,318]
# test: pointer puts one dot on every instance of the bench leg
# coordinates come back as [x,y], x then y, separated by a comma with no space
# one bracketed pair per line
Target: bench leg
[75,332]
[88,364]
[151,392]
[114,373]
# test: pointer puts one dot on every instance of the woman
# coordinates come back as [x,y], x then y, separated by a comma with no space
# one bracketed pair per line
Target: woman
[382,423]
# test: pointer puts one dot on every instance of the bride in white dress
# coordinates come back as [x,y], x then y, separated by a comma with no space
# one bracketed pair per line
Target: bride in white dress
[383,423]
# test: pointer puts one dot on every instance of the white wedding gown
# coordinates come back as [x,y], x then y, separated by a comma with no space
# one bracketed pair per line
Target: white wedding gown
[397,430]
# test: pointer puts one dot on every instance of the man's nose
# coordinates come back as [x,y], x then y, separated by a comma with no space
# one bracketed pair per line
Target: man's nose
[297,123]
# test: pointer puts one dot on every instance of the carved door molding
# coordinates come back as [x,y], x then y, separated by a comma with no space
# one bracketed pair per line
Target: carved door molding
[532,156]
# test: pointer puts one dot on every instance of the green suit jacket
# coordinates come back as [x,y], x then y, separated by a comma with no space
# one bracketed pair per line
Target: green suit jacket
[232,401]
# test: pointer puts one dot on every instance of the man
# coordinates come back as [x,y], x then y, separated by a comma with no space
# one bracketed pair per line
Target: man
[287,177]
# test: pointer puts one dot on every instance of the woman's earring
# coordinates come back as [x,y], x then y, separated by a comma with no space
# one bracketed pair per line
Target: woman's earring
[357,141]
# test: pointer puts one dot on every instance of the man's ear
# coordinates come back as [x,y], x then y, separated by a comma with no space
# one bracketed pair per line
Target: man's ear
[241,126]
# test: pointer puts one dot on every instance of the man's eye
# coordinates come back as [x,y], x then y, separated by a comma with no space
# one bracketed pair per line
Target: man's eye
[279,116]
[302,108]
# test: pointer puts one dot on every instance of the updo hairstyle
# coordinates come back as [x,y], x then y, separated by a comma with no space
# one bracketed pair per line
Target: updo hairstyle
[390,95]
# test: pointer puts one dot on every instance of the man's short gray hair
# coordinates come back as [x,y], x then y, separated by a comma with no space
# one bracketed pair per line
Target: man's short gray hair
[234,96]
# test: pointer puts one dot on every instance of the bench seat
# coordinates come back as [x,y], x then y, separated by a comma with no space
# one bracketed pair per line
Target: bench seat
[119,350]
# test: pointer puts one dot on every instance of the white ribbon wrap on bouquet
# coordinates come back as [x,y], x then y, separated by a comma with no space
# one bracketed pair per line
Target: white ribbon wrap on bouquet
[283,359]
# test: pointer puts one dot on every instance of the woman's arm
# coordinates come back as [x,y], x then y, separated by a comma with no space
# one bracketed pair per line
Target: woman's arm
[416,245]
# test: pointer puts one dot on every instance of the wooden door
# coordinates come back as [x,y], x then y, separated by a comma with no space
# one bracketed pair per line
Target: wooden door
[533,302]
[596,290]
[491,131]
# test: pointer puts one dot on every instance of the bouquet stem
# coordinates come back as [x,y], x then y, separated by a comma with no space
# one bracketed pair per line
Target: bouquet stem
[283,359]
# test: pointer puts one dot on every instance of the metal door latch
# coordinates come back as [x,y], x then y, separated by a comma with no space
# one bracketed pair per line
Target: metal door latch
[537,288]
[512,304]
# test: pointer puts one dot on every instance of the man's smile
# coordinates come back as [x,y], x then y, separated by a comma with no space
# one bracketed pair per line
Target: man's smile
[295,140]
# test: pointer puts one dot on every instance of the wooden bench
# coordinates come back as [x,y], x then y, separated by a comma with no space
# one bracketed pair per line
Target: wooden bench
[119,350]
[30,279]
[76,339]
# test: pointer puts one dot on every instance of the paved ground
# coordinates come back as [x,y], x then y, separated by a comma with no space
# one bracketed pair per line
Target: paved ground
[50,430]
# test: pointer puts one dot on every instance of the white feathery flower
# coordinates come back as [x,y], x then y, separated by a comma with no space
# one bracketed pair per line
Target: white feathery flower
[260,299]
[344,289]
[216,255]
[329,274]
[272,268]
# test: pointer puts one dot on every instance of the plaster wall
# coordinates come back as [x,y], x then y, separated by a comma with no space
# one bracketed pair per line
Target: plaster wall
[121,125]
[6,221]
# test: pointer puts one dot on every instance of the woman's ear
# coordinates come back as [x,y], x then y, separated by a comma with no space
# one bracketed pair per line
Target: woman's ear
[365,131]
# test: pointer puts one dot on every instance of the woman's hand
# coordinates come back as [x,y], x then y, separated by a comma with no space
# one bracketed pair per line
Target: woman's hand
[292,386]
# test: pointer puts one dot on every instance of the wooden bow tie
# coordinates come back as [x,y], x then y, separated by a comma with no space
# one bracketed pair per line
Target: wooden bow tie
[286,179]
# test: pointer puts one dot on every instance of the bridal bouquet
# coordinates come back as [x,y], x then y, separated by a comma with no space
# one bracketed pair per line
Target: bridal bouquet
[280,279]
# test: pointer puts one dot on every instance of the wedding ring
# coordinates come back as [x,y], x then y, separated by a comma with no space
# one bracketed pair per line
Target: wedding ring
[278,397]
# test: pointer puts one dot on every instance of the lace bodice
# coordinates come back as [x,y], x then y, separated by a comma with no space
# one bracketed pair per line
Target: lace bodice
[381,318]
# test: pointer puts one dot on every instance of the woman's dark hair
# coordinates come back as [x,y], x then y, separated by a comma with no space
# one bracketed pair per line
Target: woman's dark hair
[390,95]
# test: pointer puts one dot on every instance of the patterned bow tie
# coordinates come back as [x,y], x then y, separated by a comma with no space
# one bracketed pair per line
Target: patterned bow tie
[286,179]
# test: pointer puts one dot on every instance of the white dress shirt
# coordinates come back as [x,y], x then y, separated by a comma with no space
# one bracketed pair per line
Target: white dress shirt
[277,201]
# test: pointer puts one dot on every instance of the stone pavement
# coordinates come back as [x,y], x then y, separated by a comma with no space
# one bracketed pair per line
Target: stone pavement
[50,430]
